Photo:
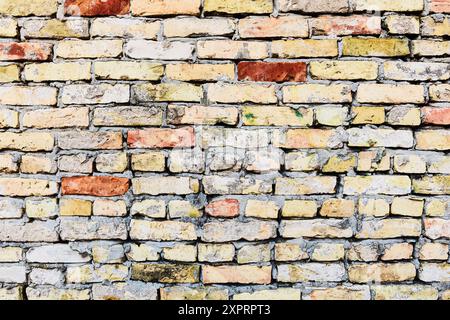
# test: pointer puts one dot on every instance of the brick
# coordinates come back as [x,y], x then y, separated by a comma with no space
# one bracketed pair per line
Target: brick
[375,47]
[192,26]
[317,93]
[181,209]
[275,294]
[418,71]
[409,164]
[79,163]
[233,50]
[161,138]
[192,160]
[124,291]
[95,94]
[103,186]
[97,228]
[199,114]
[241,93]
[440,6]
[305,185]
[398,251]
[390,94]
[432,140]
[331,116]
[90,140]
[28,96]
[440,165]
[244,6]
[12,274]
[8,164]
[37,164]
[340,163]
[380,138]
[125,28]
[26,8]
[301,161]
[339,293]
[53,28]
[165,185]
[329,272]
[128,116]
[11,254]
[433,251]
[388,5]
[56,118]
[168,92]
[307,139]
[436,208]
[261,209]
[430,47]
[36,231]
[50,293]
[226,208]
[109,208]
[165,273]
[8,27]
[432,26]
[254,253]
[149,161]
[390,185]
[186,293]
[75,49]
[402,24]
[431,185]
[27,141]
[310,6]
[304,48]
[434,272]
[149,208]
[342,26]
[268,27]
[404,292]
[317,228]
[276,116]
[128,70]
[328,252]
[9,73]
[237,274]
[215,252]
[96,7]
[200,72]
[439,93]
[367,252]
[142,252]
[111,162]
[404,116]
[57,71]
[389,228]
[90,274]
[45,276]
[299,208]
[165,7]
[407,207]
[181,252]
[337,208]
[381,272]
[75,207]
[230,185]
[27,187]
[437,116]
[232,230]
[41,209]
[11,208]
[436,228]
[172,50]
[272,71]
[55,253]
[344,70]
[368,115]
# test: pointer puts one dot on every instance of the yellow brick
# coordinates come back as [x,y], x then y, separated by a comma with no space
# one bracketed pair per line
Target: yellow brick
[338,208]
[373,207]
[299,208]
[375,47]
[200,72]
[54,28]
[10,254]
[165,7]
[388,93]
[317,93]
[88,48]
[37,164]
[404,116]
[432,26]
[404,292]
[276,116]
[373,161]
[181,252]
[339,163]
[433,140]
[168,92]
[261,209]
[331,116]
[388,5]
[276,294]
[75,207]
[368,115]
[57,71]
[242,92]
[8,27]
[344,70]
[9,73]
[57,118]
[436,208]
[26,8]
[150,161]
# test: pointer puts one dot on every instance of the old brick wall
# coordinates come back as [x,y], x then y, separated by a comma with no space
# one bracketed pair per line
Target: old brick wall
[224,149]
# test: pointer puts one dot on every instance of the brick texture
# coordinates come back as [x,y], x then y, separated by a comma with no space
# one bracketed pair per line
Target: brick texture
[224,149]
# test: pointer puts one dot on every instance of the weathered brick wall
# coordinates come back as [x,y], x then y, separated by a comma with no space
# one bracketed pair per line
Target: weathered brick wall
[224,149]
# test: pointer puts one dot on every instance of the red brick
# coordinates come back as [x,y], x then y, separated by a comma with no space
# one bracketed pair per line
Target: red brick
[99,186]
[24,51]
[440,6]
[96,7]
[272,71]
[436,115]
[334,25]
[223,208]
[161,138]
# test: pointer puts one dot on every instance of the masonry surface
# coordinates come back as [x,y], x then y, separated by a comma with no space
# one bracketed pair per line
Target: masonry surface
[224,149]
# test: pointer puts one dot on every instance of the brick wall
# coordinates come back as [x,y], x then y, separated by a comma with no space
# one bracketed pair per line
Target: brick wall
[224,149]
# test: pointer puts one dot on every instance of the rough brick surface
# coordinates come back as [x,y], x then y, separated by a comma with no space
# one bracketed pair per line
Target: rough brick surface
[224,149]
